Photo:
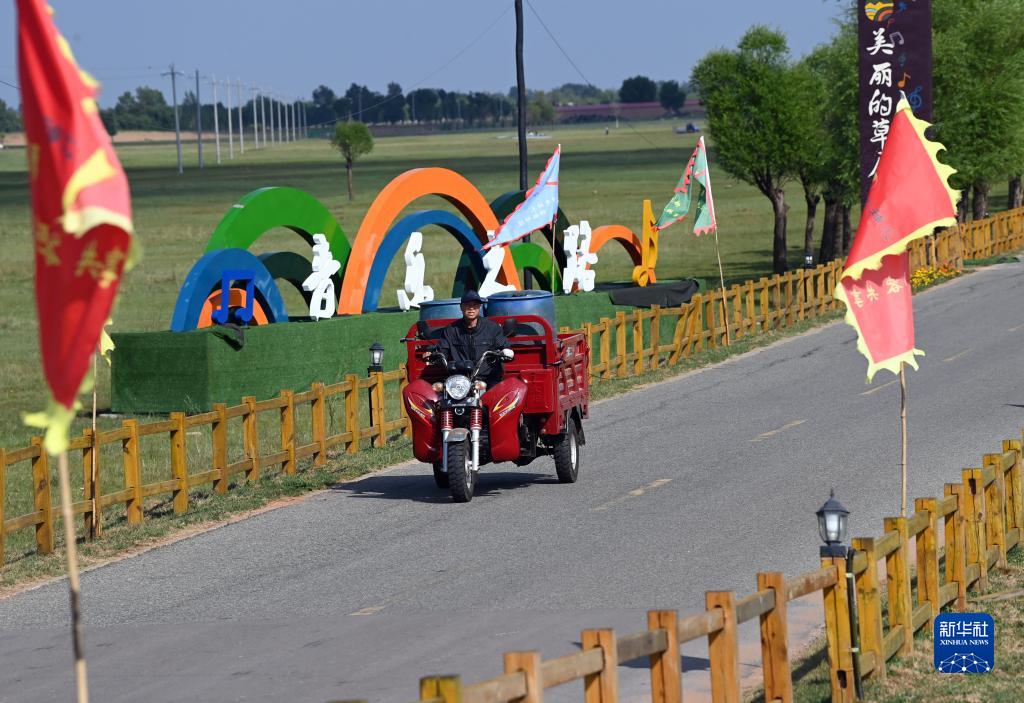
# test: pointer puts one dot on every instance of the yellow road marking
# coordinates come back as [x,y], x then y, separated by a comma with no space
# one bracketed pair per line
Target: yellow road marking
[635,493]
[772,433]
[957,356]
[369,610]
[878,388]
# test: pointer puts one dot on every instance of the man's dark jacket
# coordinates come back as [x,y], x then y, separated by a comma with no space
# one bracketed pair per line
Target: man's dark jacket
[460,343]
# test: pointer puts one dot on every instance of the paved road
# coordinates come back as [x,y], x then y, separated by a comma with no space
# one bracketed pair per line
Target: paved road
[693,484]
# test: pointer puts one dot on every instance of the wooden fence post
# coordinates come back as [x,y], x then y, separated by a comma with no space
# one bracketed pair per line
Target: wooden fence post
[764,304]
[179,463]
[92,524]
[869,606]
[288,430]
[638,342]
[378,409]
[352,413]
[621,353]
[251,438]
[446,688]
[928,559]
[606,347]
[837,630]
[710,313]
[1014,506]
[220,447]
[995,507]
[666,676]
[751,309]
[974,524]
[42,501]
[3,493]
[602,687]
[801,293]
[319,426]
[655,336]
[529,664]
[778,679]
[132,471]
[897,583]
[723,649]
[955,536]
[403,384]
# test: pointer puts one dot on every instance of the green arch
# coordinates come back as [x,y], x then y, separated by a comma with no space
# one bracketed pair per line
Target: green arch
[532,256]
[267,208]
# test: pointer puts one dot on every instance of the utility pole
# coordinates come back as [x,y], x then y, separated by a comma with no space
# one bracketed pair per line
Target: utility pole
[255,121]
[280,123]
[291,120]
[199,121]
[273,132]
[241,121]
[263,116]
[231,135]
[305,121]
[521,106]
[216,117]
[177,122]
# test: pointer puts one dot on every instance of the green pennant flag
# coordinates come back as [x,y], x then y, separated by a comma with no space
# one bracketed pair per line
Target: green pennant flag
[679,206]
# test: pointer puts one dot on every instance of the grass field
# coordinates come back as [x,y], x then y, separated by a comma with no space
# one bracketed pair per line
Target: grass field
[603,179]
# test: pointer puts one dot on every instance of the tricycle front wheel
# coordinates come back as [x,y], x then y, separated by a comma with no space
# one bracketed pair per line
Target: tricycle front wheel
[461,477]
[440,475]
[566,453]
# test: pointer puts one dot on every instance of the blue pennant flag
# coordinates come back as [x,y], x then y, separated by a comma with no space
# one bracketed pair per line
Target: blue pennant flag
[538,210]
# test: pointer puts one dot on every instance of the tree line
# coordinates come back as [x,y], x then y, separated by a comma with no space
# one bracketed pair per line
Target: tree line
[775,121]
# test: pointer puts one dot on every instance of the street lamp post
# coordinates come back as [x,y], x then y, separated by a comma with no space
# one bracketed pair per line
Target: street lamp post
[376,366]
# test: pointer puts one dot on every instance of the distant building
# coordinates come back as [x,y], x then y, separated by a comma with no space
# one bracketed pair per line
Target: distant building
[626,111]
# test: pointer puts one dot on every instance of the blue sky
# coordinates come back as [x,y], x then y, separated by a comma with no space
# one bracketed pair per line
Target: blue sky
[292,46]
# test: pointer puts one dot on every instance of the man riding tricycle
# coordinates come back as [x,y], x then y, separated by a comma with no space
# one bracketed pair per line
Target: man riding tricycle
[487,390]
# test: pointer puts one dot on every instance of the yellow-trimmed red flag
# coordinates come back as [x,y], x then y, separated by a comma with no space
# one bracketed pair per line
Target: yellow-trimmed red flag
[81,212]
[909,198]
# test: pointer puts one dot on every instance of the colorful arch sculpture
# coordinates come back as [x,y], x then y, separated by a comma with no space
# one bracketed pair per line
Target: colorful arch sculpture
[386,208]
[534,258]
[621,234]
[205,277]
[267,208]
[396,237]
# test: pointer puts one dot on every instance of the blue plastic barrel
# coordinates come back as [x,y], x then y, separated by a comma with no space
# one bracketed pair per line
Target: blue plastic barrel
[444,309]
[524,302]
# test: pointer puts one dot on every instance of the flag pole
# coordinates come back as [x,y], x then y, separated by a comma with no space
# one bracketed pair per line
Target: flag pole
[903,448]
[721,277]
[81,678]
[94,527]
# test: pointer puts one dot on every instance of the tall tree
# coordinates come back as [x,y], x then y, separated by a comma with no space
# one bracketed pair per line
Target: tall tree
[393,110]
[810,94]
[671,96]
[753,119]
[638,89]
[353,140]
[979,92]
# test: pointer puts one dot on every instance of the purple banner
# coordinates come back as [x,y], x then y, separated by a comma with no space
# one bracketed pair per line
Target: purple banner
[895,56]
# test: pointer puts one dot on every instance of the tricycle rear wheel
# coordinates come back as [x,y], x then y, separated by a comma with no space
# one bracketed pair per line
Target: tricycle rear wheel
[566,453]
[461,477]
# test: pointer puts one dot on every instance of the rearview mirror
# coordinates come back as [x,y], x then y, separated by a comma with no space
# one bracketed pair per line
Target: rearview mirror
[422,329]
[508,327]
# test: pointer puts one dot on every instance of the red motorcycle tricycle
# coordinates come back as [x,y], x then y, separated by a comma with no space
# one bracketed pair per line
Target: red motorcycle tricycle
[538,408]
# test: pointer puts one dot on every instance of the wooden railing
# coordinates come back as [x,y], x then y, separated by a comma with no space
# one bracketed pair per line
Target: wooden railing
[626,345]
[981,518]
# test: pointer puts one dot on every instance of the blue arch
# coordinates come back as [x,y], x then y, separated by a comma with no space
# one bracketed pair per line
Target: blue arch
[399,234]
[205,276]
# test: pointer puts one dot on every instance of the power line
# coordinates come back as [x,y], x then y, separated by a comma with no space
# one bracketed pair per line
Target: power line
[573,63]
[11,85]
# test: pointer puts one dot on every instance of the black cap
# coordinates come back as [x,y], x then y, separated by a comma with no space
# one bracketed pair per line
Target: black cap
[471,296]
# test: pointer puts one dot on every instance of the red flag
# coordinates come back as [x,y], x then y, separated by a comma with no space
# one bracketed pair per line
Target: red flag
[908,199]
[81,210]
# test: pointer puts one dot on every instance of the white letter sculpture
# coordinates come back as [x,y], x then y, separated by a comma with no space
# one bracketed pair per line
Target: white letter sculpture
[579,261]
[321,302]
[414,292]
[493,259]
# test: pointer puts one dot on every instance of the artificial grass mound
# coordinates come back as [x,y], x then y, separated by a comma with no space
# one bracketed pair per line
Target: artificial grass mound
[190,371]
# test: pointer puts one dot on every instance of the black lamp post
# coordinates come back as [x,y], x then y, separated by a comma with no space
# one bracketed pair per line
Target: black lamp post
[376,366]
[832,527]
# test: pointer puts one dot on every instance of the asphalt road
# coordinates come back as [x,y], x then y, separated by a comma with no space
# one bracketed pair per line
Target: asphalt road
[693,484]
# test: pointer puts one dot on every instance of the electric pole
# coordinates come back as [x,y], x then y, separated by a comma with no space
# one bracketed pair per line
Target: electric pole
[273,132]
[255,121]
[216,117]
[177,122]
[231,135]
[241,122]
[521,106]
[263,116]
[199,122]
[280,124]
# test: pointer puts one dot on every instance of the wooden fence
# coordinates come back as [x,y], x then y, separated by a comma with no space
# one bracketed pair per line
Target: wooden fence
[626,345]
[980,518]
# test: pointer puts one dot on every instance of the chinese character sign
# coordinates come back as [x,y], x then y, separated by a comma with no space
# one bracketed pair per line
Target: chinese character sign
[319,283]
[895,55]
[81,211]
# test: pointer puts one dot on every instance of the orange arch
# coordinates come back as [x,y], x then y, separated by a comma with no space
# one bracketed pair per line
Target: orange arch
[621,234]
[386,208]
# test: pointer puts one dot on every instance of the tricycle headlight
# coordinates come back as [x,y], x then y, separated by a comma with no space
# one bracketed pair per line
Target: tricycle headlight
[457,386]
